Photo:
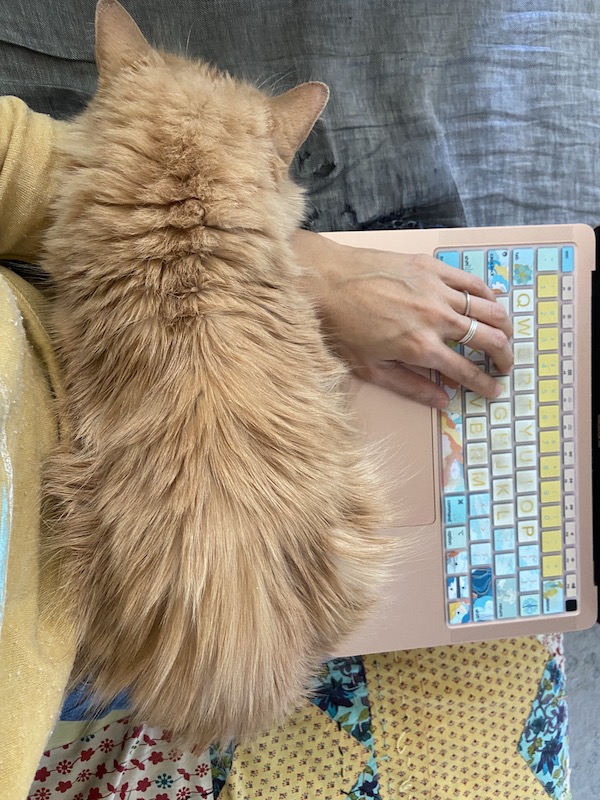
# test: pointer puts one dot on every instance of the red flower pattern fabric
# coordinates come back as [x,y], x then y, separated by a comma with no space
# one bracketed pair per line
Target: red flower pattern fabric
[123,762]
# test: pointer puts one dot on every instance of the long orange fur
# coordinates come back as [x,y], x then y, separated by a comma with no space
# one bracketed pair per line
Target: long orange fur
[214,517]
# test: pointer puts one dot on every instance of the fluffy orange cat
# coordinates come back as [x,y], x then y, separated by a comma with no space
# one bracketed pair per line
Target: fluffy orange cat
[213,514]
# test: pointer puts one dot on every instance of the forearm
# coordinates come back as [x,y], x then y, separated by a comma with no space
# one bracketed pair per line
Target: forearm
[27,152]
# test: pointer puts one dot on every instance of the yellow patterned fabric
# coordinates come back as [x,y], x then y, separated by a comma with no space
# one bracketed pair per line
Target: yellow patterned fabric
[446,721]
[446,724]
[307,757]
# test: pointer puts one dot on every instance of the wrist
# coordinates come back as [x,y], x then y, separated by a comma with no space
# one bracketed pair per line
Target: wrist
[321,261]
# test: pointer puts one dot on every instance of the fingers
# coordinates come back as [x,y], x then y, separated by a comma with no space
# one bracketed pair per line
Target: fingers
[402,380]
[464,281]
[468,374]
[491,313]
[490,339]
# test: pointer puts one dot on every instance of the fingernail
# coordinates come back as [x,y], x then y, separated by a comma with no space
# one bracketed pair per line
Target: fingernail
[498,390]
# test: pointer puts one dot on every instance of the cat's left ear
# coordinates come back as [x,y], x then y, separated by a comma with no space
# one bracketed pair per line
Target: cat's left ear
[294,114]
[119,41]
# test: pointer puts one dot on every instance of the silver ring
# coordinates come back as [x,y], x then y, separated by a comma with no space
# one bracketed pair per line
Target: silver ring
[467,310]
[470,333]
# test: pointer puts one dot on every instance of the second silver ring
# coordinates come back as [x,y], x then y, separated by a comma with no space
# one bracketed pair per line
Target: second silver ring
[470,333]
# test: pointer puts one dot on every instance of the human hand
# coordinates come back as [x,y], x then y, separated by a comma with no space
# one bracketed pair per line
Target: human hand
[385,312]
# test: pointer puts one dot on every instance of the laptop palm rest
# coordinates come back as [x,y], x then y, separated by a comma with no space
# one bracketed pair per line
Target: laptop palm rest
[401,432]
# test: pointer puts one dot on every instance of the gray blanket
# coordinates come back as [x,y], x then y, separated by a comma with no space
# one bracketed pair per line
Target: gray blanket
[469,112]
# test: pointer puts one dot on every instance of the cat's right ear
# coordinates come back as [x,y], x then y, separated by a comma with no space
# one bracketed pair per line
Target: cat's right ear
[294,114]
[119,41]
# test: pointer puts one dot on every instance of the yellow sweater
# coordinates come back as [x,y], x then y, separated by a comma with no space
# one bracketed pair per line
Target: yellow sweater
[36,647]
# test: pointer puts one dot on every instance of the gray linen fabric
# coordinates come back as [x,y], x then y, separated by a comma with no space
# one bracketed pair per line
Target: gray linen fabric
[478,112]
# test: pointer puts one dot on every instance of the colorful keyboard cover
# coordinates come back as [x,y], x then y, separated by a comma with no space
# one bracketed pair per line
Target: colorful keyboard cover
[508,465]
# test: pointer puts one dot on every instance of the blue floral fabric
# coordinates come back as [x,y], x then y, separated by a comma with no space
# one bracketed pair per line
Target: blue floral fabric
[544,743]
[342,693]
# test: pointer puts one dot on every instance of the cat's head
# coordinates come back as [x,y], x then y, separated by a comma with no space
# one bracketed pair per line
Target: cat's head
[197,132]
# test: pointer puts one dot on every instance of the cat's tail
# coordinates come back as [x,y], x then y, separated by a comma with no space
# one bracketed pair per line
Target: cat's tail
[216,625]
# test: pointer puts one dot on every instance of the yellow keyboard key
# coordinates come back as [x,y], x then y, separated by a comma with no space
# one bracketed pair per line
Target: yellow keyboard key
[550,491]
[552,566]
[548,416]
[548,365]
[547,312]
[549,442]
[551,517]
[548,391]
[547,285]
[550,466]
[547,339]
[551,541]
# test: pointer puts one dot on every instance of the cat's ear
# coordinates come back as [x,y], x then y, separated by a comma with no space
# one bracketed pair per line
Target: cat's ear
[294,114]
[119,41]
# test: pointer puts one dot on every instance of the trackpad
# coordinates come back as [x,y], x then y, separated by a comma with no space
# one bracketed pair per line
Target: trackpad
[402,432]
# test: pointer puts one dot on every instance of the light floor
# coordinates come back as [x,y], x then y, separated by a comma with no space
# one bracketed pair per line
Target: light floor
[582,651]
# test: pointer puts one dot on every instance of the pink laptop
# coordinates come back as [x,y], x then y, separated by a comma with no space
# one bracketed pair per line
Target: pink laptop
[493,499]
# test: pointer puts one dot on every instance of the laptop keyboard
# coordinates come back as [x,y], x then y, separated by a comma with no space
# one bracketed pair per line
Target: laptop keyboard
[508,465]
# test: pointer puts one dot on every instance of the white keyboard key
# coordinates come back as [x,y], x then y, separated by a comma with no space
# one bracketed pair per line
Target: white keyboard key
[525,430]
[570,506]
[568,399]
[567,287]
[500,413]
[525,405]
[571,585]
[528,532]
[567,316]
[477,454]
[503,490]
[474,403]
[527,480]
[501,439]
[502,464]
[568,426]
[570,535]
[526,456]
[503,515]
[524,353]
[567,371]
[476,428]
[527,506]
[478,479]
[568,454]
[568,342]
[524,379]
[570,559]
[523,301]
[569,480]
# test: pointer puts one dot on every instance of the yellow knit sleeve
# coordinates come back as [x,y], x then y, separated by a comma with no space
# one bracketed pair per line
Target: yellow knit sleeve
[27,148]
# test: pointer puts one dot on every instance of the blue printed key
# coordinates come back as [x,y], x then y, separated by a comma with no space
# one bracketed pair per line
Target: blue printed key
[530,605]
[456,509]
[568,259]
[523,266]
[474,262]
[498,271]
[547,259]
[449,257]
[506,598]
